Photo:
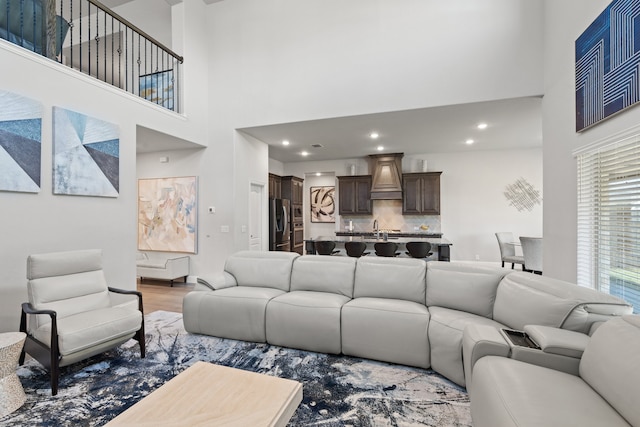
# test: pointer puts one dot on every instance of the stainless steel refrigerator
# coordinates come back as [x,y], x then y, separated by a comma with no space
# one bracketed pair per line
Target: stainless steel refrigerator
[279,225]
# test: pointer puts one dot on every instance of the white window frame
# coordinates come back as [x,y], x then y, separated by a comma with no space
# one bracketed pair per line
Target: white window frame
[608,178]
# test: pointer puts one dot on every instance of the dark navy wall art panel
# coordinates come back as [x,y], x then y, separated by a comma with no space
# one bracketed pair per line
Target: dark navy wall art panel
[607,61]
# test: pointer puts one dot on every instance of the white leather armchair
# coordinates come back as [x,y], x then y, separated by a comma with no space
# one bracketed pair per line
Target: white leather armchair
[72,314]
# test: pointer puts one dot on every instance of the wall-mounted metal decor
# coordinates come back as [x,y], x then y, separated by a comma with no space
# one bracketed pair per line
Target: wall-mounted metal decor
[607,60]
[323,207]
[522,195]
[86,155]
[20,143]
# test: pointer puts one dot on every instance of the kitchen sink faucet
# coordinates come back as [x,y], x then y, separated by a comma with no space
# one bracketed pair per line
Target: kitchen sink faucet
[376,229]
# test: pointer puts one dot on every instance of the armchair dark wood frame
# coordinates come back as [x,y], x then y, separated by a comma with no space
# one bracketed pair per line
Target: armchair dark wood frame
[49,357]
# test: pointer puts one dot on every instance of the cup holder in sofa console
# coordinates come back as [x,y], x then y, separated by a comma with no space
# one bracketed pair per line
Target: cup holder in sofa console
[519,338]
[554,348]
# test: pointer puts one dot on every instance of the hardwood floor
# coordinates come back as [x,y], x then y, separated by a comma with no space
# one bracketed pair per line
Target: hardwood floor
[159,295]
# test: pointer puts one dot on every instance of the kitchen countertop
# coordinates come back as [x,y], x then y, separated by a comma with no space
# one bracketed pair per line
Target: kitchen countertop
[391,233]
[438,241]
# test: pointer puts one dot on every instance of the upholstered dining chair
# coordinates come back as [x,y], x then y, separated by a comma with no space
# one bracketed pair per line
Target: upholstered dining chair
[356,249]
[418,249]
[387,249]
[506,242]
[325,247]
[72,314]
[532,252]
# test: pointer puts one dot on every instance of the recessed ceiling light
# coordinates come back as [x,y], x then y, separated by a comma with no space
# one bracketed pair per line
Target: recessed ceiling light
[380,148]
[374,135]
[304,153]
[318,174]
[469,141]
[285,142]
[482,126]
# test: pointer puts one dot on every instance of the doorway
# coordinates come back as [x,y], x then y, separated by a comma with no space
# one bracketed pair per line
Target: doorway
[257,220]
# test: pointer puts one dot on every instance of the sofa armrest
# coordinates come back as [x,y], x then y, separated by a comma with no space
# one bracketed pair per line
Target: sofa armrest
[558,341]
[479,341]
[216,281]
[177,263]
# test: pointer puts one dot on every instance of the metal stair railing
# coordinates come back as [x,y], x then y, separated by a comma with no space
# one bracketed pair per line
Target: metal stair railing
[89,37]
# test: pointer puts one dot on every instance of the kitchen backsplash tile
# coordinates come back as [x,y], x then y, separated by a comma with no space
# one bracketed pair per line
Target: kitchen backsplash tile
[389,216]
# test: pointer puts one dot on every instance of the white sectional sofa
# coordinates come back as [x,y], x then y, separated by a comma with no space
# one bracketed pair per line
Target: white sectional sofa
[396,310]
[603,392]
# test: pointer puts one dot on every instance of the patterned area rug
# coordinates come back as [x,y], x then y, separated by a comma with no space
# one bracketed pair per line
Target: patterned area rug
[337,390]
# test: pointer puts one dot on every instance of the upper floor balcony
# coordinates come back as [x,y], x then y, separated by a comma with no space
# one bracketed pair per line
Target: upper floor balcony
[89,37]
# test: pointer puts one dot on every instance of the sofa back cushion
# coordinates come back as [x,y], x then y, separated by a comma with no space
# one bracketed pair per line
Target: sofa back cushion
[611,366]
[261,268]
[529,299]
[463,286]
[323,273]
[396,278]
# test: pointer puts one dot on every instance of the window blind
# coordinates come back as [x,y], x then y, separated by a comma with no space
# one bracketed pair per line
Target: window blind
[609,219]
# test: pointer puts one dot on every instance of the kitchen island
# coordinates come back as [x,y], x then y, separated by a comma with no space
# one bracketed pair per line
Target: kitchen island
[439,244]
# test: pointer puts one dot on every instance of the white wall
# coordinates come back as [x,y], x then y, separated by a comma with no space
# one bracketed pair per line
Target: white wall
[473,205]
[151,16]
[43,222]
[564,22]
[251,167]
[276,61]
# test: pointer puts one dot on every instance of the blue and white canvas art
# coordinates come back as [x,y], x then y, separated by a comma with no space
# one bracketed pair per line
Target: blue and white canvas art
[20,143]
[158,88]
[607,60]
[86,155]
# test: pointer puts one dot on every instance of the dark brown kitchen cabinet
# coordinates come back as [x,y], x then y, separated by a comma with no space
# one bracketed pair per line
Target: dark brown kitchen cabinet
[275,186]
[354,195]
[293,189]
[421,193]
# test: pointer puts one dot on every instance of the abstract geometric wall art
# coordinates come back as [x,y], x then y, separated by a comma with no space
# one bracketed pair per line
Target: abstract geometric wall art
[323,207]
[86,155]
[607,60]
[20,143]
[168,214]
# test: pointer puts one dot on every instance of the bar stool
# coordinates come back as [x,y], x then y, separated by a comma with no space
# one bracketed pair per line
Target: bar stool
[325,247]
[418,249]
[356,249]
[387,249]
[11,392]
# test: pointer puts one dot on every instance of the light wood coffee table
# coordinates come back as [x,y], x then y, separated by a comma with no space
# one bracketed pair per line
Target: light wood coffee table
[211,395]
